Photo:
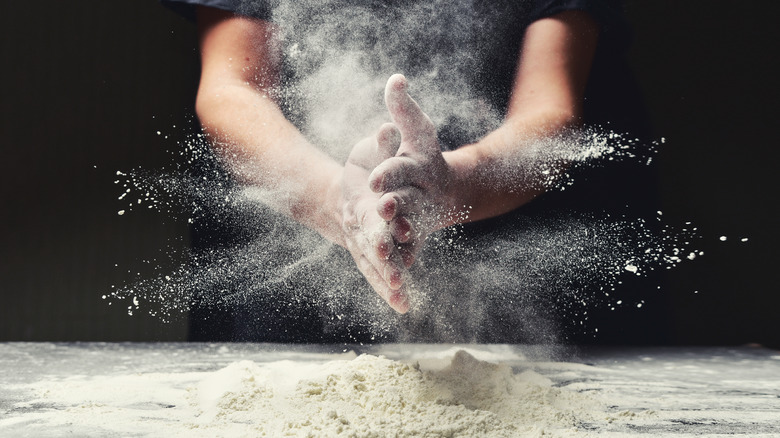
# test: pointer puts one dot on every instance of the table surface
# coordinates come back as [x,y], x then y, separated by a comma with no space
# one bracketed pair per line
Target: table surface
[690,391]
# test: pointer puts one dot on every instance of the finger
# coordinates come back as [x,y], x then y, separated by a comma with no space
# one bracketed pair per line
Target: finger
[402,202]
[392,269]
[388,206]
[364,153]
[399,301]
[408,256]
[401,230]
[372,276]
[381,246]
[380,250]
[394,173]
[396,298]
[369,270]
[416,128]
[388,139]
[408,251]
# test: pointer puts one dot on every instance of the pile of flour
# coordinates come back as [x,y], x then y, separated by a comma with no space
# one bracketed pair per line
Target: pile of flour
[372,396]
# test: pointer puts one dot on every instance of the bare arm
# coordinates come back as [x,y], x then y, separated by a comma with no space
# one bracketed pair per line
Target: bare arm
[424,189]
[546,98]
[240,62]
[234,104]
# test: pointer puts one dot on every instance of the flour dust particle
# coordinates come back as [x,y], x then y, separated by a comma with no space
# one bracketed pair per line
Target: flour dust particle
[568,263]
[458,284]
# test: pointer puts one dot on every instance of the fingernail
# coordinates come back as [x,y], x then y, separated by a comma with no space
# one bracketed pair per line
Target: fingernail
[389,208]
[377,184]
[399,302]
[396,279]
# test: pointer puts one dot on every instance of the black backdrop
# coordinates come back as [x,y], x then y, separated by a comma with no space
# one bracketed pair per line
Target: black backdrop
[86,86]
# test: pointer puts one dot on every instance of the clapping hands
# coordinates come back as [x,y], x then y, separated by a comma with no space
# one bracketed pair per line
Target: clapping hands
[395,193]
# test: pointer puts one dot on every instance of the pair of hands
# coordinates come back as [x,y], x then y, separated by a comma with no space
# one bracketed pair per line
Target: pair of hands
[394,194]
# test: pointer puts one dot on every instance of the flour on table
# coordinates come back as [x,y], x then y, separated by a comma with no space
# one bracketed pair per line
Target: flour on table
[372,396]
[439,394]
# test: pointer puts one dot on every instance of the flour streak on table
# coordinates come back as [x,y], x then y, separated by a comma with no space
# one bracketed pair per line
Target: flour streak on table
[647,391]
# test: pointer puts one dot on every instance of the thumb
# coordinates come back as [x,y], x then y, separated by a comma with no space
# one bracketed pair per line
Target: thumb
[416,128]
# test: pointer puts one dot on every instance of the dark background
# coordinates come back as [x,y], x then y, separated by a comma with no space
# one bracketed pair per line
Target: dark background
[86,86]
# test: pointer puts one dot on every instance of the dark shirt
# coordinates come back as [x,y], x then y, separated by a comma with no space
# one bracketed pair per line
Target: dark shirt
[493,32]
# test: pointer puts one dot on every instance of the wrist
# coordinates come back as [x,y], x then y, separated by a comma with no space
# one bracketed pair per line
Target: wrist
[329,211]
[488,177]
[316,203]
[458,196]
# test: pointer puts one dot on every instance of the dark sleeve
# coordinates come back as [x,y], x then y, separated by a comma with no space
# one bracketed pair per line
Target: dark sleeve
[251,8]
[607,13]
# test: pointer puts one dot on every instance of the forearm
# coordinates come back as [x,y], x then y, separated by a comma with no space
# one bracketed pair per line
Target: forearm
[264,150]
[506,169]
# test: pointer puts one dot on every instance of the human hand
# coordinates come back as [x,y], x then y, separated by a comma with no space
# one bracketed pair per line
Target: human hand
[413,182]
[367,235]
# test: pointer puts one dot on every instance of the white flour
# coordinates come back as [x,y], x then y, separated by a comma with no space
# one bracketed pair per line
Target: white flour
[365,396]
[371,396]
[431,391]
